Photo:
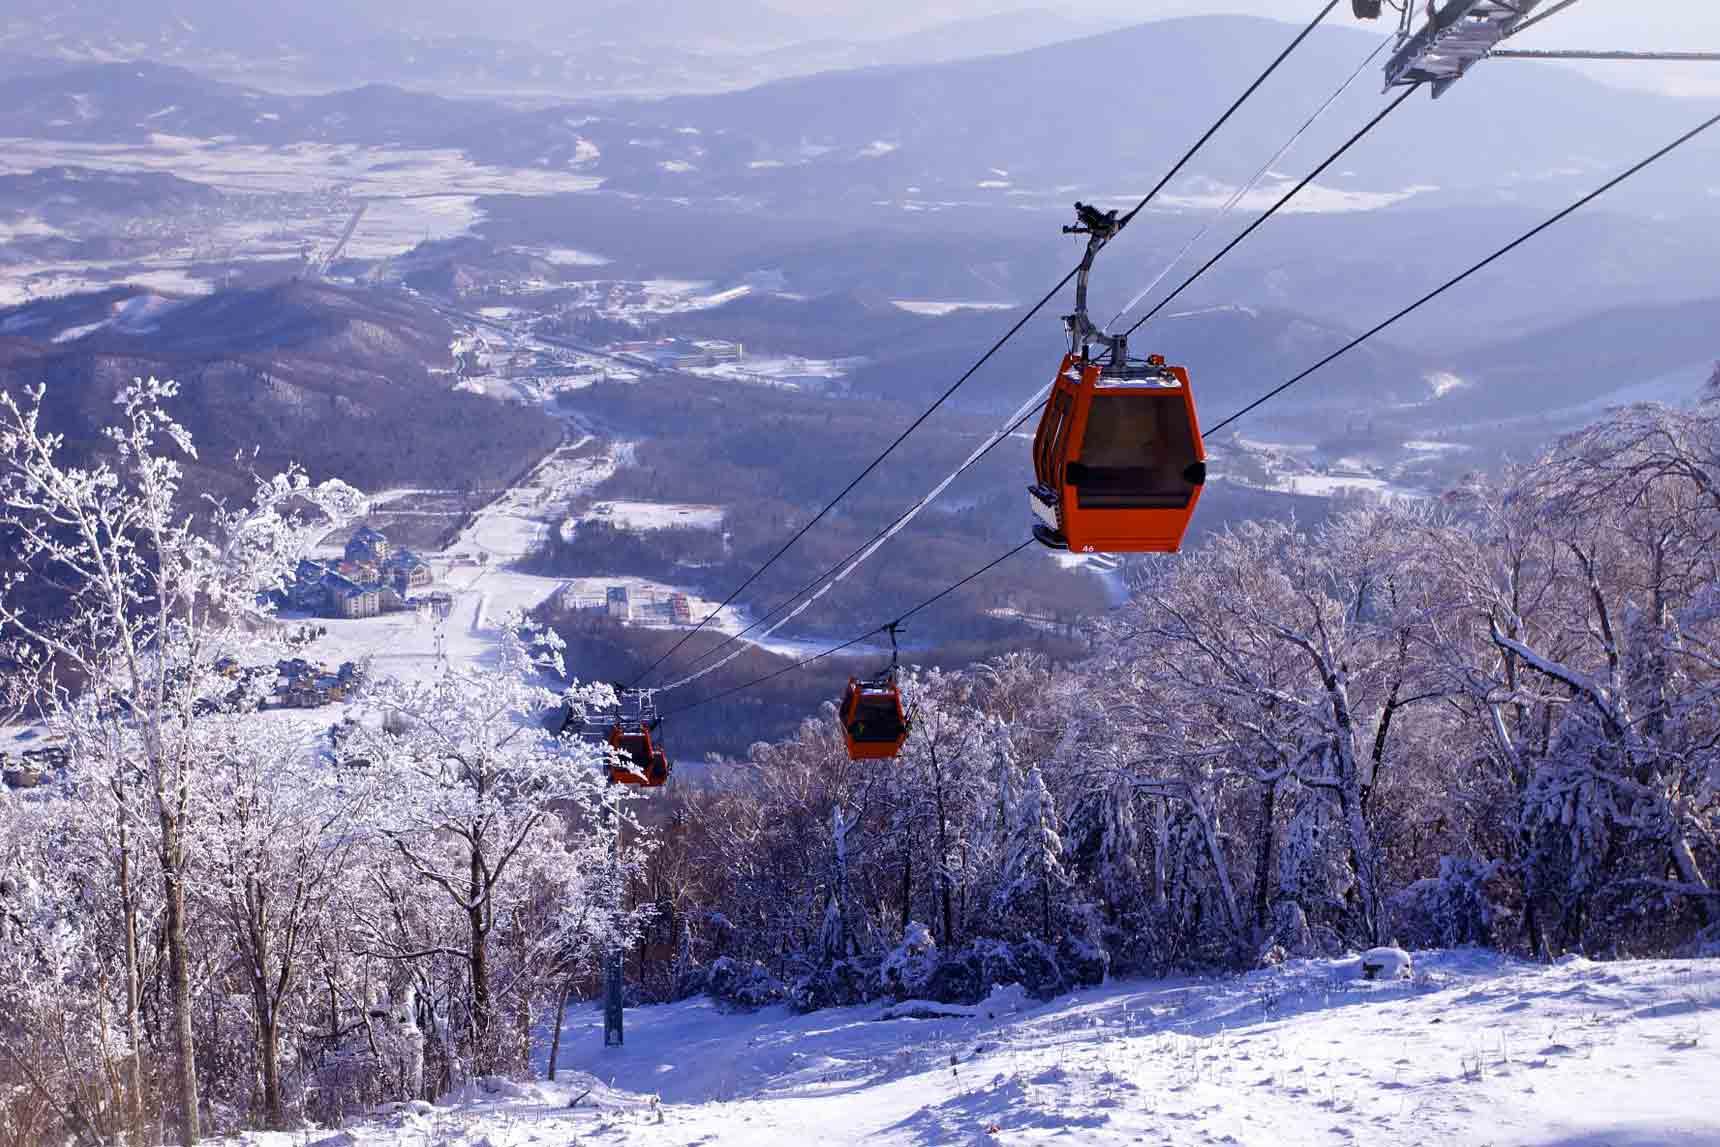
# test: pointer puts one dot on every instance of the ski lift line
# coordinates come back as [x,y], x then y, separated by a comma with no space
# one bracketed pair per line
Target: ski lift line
[1478,267]
[1547,15]
[1242,191]
[877,543]
[853,641]
[871,466]
[1325,11]
[1021,415]
[1274,209]
[1230,111]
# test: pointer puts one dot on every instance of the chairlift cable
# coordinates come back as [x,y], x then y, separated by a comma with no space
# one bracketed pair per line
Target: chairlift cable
[1547,15]
[1473,270]
[853,641]
[1325,11]
[1248,185]
[1027,410]
[1274,209]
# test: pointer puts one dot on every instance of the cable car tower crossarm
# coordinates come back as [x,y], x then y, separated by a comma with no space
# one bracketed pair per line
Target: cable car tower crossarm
[1459,34]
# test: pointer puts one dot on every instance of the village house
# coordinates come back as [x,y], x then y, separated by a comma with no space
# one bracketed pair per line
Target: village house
[372,578]
[368,547]
[406,571]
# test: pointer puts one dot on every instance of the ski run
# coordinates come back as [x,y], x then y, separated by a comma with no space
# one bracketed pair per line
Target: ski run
[1470,1049]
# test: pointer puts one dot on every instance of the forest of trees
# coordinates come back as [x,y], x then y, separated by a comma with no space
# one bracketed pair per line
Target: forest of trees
[1489,719]
[212,918]
[1492,719]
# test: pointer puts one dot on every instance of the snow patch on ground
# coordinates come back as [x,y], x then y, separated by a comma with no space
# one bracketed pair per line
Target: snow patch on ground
[939,308]
[1443,382]
[569,257]
[789,372]
[656,515]
[1315,199]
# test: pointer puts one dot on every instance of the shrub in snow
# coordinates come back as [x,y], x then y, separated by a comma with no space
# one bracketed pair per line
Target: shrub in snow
[1004,1000]
[840,984]
[1032,963]
[906,971]
[1450,910]
[1036,961]
[741,986]
[1386,964]
[1083,962]
[958,978]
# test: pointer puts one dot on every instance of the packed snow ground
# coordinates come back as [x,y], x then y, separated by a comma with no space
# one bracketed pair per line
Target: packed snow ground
[1473,1050]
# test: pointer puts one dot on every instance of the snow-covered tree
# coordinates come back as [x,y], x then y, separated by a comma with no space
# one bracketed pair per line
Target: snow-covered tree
[1034,871]
[468,786]
[148,596]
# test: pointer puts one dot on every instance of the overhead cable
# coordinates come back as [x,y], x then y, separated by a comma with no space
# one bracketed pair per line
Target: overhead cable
[1188,155]
[1475,269]
[1274,209]
[1248,185]
[853,641]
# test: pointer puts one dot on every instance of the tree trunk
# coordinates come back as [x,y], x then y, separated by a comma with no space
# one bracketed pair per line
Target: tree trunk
[179,972]
[133,991]
[907,885]
[1161,844]
[480,965]
[269,1044]
[944,897]
[1263,856]
[555,1033]
[263,1003]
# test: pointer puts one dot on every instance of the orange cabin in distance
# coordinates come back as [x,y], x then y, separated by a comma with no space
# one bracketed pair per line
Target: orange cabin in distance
[651,761]
[874,727]
[1118,458]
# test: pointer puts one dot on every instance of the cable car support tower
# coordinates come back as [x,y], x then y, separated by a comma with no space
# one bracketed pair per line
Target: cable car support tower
[1459,34]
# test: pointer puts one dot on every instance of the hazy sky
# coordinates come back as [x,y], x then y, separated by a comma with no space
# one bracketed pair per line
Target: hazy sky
[1607,24]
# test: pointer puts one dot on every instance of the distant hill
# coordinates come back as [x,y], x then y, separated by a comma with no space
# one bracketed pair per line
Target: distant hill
[338,380]
[129,102]
[1106,115]
[52,192]
[1609,354]
[1102,117]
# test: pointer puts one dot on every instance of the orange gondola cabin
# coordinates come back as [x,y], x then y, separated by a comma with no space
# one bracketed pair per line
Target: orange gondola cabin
[650,763]
[630,729]
[874,726]
[1118,461]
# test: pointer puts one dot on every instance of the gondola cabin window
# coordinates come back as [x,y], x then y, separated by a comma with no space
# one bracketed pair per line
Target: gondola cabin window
[1135,453]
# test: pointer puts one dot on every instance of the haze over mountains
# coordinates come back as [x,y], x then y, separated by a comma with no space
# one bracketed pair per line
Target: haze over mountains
[943,178]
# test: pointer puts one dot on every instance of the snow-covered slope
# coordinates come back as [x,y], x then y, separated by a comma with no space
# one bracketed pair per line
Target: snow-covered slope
[1472,1049]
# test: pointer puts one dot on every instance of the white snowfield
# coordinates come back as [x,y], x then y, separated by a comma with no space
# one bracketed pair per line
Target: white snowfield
[1471,1050]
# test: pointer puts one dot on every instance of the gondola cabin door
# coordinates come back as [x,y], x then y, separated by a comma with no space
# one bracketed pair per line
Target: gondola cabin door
[1118,458]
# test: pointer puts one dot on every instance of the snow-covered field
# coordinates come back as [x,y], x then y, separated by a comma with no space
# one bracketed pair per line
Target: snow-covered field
[657,515]
[1473,1050]
[650,298]
[410,195]
[789,372]
[938,308]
